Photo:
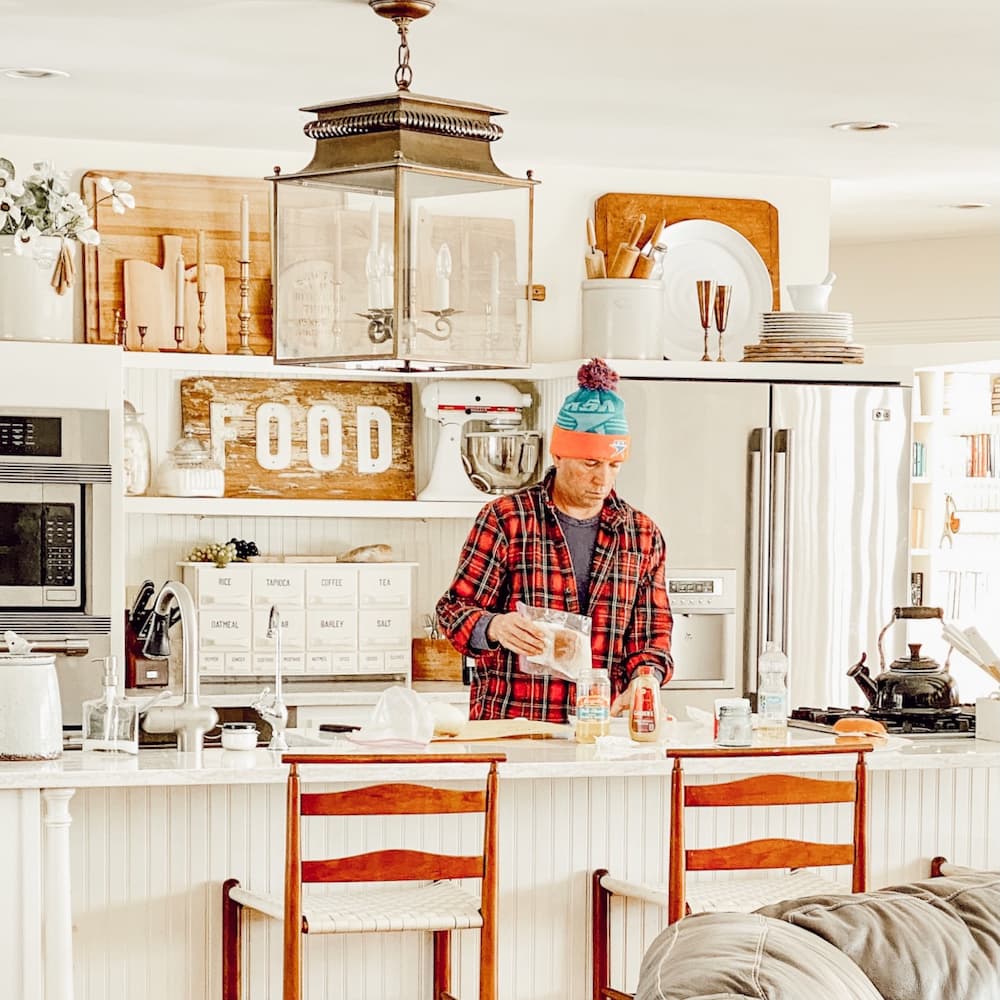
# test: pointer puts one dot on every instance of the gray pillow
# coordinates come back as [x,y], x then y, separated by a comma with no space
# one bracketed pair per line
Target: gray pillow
[933,940]
[746,955]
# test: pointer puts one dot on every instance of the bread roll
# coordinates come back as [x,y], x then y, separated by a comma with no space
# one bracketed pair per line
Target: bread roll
[368,554]
[857,730]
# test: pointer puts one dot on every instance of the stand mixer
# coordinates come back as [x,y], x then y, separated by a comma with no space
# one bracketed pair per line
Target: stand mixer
[470,465]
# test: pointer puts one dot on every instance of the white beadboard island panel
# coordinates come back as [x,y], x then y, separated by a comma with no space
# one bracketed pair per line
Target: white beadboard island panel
[153,838]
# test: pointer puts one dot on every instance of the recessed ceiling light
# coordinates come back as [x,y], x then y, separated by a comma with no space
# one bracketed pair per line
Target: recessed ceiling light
[32,73]
[863,126]
[971,204]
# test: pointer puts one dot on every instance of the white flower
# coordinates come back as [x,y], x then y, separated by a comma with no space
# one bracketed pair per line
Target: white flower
[9,186]
[119,191]
[89,236]
[23,239]
[10,214]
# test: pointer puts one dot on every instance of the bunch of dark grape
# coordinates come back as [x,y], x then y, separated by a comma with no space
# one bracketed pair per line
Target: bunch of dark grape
[244,549]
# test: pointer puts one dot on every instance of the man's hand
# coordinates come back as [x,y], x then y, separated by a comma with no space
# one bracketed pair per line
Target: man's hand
[516,633]
[622,704]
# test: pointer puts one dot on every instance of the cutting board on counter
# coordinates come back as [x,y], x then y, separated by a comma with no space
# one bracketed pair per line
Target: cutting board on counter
[179,205]
[506,729]
[615,214]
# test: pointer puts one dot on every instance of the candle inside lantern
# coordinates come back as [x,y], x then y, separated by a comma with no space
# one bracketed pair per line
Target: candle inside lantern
[495,284]
[179,292]
[373,228]
[244,228]
[442,284]
[372,273]
[202,282]
[387,271]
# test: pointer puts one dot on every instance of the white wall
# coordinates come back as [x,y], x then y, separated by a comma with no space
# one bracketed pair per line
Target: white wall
[563,201]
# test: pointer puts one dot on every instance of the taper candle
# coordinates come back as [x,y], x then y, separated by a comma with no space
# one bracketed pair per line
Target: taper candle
[202,283]
[442,285]
[495,283]
[245,227]
[179,292]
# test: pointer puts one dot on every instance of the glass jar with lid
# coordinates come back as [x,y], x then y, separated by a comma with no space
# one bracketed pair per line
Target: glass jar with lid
[190,470]
[734,724]
[136,462]
[593,705]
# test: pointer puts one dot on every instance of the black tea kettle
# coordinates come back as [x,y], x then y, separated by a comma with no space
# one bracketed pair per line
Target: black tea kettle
[915,684]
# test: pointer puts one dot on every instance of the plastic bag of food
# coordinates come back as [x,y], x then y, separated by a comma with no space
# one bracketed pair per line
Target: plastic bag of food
[567,642]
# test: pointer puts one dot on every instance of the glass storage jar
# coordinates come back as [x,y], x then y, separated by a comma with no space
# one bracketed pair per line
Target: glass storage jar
[190,470]
[136,462]
[734,725]
[593,705]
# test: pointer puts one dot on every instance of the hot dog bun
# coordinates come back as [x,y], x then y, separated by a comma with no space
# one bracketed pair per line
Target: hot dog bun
[857,730]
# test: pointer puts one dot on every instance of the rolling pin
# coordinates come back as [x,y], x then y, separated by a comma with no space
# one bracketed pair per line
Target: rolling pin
[647,260]
[627,253]
[596,267]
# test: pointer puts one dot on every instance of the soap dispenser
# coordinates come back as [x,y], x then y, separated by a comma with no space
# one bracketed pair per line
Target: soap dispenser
[111,722]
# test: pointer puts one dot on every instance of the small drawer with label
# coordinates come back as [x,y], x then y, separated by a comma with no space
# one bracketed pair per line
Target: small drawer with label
[279,584]
[331,630]
[224,630]
[384,586]
[384,629]
[397,661]
[332,586]
[371,663]
[344,663]
[291,663]
[219,588]
[239,663]
[211,663]
[319,663]
[293,629]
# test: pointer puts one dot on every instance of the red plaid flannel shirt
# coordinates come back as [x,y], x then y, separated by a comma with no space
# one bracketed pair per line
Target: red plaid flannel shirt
[516,552]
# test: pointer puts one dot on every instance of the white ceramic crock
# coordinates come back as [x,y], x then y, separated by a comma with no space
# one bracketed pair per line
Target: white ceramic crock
[30,308]
[30,712]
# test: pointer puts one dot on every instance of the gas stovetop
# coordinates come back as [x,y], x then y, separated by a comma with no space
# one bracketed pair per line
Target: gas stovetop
[958,723]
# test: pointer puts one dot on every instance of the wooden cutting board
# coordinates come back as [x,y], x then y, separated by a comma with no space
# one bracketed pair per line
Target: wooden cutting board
[615,213]
[179,205]
[506,729]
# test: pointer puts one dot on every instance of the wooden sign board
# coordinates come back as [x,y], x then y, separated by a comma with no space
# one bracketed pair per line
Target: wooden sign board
[178,205]
[306,439]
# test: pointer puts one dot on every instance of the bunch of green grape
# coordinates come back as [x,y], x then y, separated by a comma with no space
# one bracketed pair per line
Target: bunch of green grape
[221,553]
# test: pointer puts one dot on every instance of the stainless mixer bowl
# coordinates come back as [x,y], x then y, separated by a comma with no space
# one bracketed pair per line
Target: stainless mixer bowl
[499,461]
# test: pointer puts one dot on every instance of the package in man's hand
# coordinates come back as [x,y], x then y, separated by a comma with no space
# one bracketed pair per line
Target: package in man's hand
[566,638]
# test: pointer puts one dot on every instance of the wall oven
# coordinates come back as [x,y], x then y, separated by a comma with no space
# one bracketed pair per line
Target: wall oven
[55,491]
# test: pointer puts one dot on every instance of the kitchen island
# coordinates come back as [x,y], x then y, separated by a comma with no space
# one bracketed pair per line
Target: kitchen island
[125,858]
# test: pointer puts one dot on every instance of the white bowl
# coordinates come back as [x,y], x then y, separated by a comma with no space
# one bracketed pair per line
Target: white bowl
[809,298]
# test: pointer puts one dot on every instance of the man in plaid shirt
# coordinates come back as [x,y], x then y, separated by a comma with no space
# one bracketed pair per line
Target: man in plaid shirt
[569,543]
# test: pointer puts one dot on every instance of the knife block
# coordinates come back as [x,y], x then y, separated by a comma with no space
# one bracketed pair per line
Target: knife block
[141,672]
[436,660]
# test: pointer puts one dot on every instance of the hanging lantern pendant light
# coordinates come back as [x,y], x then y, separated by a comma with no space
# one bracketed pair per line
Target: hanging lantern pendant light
[402,13]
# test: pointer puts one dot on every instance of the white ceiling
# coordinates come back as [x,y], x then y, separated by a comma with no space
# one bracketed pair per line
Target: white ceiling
[726,85]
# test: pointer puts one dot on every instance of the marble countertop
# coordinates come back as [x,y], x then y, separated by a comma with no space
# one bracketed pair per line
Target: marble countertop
[526,759]
[301,692]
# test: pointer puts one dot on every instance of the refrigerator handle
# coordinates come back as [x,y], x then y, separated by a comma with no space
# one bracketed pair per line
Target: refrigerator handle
[783,448]
[760,531]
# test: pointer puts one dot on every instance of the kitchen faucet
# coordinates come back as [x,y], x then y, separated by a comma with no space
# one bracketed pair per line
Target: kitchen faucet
[273,710]
[189,720]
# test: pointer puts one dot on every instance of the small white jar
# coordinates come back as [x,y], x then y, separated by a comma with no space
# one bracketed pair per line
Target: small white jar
[239,736]
[30,709]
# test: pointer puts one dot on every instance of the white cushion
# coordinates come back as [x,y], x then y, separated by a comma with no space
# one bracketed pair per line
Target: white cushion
[734,895]
[439,906]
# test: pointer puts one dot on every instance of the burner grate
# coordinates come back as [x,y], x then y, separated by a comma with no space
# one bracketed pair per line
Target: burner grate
[957,722]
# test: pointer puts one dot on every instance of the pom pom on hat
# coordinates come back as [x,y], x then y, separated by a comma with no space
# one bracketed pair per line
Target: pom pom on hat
[591,423]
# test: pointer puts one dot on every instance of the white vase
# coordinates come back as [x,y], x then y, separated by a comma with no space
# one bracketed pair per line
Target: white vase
[30,308]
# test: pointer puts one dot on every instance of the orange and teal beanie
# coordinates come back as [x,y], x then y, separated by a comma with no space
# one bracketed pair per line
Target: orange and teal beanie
[591,422]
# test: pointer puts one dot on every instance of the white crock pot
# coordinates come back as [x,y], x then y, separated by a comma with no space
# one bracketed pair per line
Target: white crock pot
[30,713]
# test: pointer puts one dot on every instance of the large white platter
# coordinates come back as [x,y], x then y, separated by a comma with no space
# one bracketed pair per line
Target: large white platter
[698,249]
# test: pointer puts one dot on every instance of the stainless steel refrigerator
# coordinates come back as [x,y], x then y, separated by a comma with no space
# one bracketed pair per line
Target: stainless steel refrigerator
[801,492]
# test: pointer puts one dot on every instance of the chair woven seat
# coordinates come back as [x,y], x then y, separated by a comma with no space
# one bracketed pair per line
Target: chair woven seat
[439,906]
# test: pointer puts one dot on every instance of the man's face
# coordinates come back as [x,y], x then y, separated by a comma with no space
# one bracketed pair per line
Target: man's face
[586,482]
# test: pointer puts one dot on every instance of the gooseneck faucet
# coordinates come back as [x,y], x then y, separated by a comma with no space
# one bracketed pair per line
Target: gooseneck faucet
[190,720]
[273,710]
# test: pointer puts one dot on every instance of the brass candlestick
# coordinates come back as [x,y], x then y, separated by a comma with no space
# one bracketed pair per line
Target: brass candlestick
[142,336]
[201,348]
[121,329]
[705,311]
[179,337]
[723,300]
[244,313]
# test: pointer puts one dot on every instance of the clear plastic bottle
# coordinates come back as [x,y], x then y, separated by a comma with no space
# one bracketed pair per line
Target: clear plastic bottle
[593,705]
[645,710]
[772,693]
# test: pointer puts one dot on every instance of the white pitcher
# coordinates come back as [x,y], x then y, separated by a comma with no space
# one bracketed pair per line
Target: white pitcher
[30,712]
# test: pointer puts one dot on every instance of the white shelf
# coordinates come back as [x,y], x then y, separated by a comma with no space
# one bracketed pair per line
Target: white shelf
[237,507]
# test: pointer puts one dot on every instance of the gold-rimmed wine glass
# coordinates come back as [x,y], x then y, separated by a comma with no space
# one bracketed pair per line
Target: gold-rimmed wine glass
[705,311]
[723,300]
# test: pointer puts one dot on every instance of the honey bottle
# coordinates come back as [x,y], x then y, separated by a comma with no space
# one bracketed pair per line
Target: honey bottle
[644,709]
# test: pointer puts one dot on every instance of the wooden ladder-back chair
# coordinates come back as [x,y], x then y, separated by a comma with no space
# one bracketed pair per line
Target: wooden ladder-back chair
[744,895]
[439,907]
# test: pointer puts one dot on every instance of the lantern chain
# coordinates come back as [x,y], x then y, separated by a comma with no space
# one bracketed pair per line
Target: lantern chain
[404,75]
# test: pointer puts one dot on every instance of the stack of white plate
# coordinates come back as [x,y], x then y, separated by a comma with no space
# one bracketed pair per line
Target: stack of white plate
[812,328]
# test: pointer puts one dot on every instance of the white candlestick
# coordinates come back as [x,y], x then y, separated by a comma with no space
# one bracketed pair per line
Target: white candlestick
[179,292]
[244,228]
[338,249]
[202,284]
[372,274]
[387,270]
[495,284]
[373,228]
[442,285]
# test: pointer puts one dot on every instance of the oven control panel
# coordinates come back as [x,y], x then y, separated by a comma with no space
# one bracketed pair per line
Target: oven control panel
[60,543]
[35,437]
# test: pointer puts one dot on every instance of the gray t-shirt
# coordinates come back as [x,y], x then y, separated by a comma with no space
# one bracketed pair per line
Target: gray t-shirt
[581,539]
